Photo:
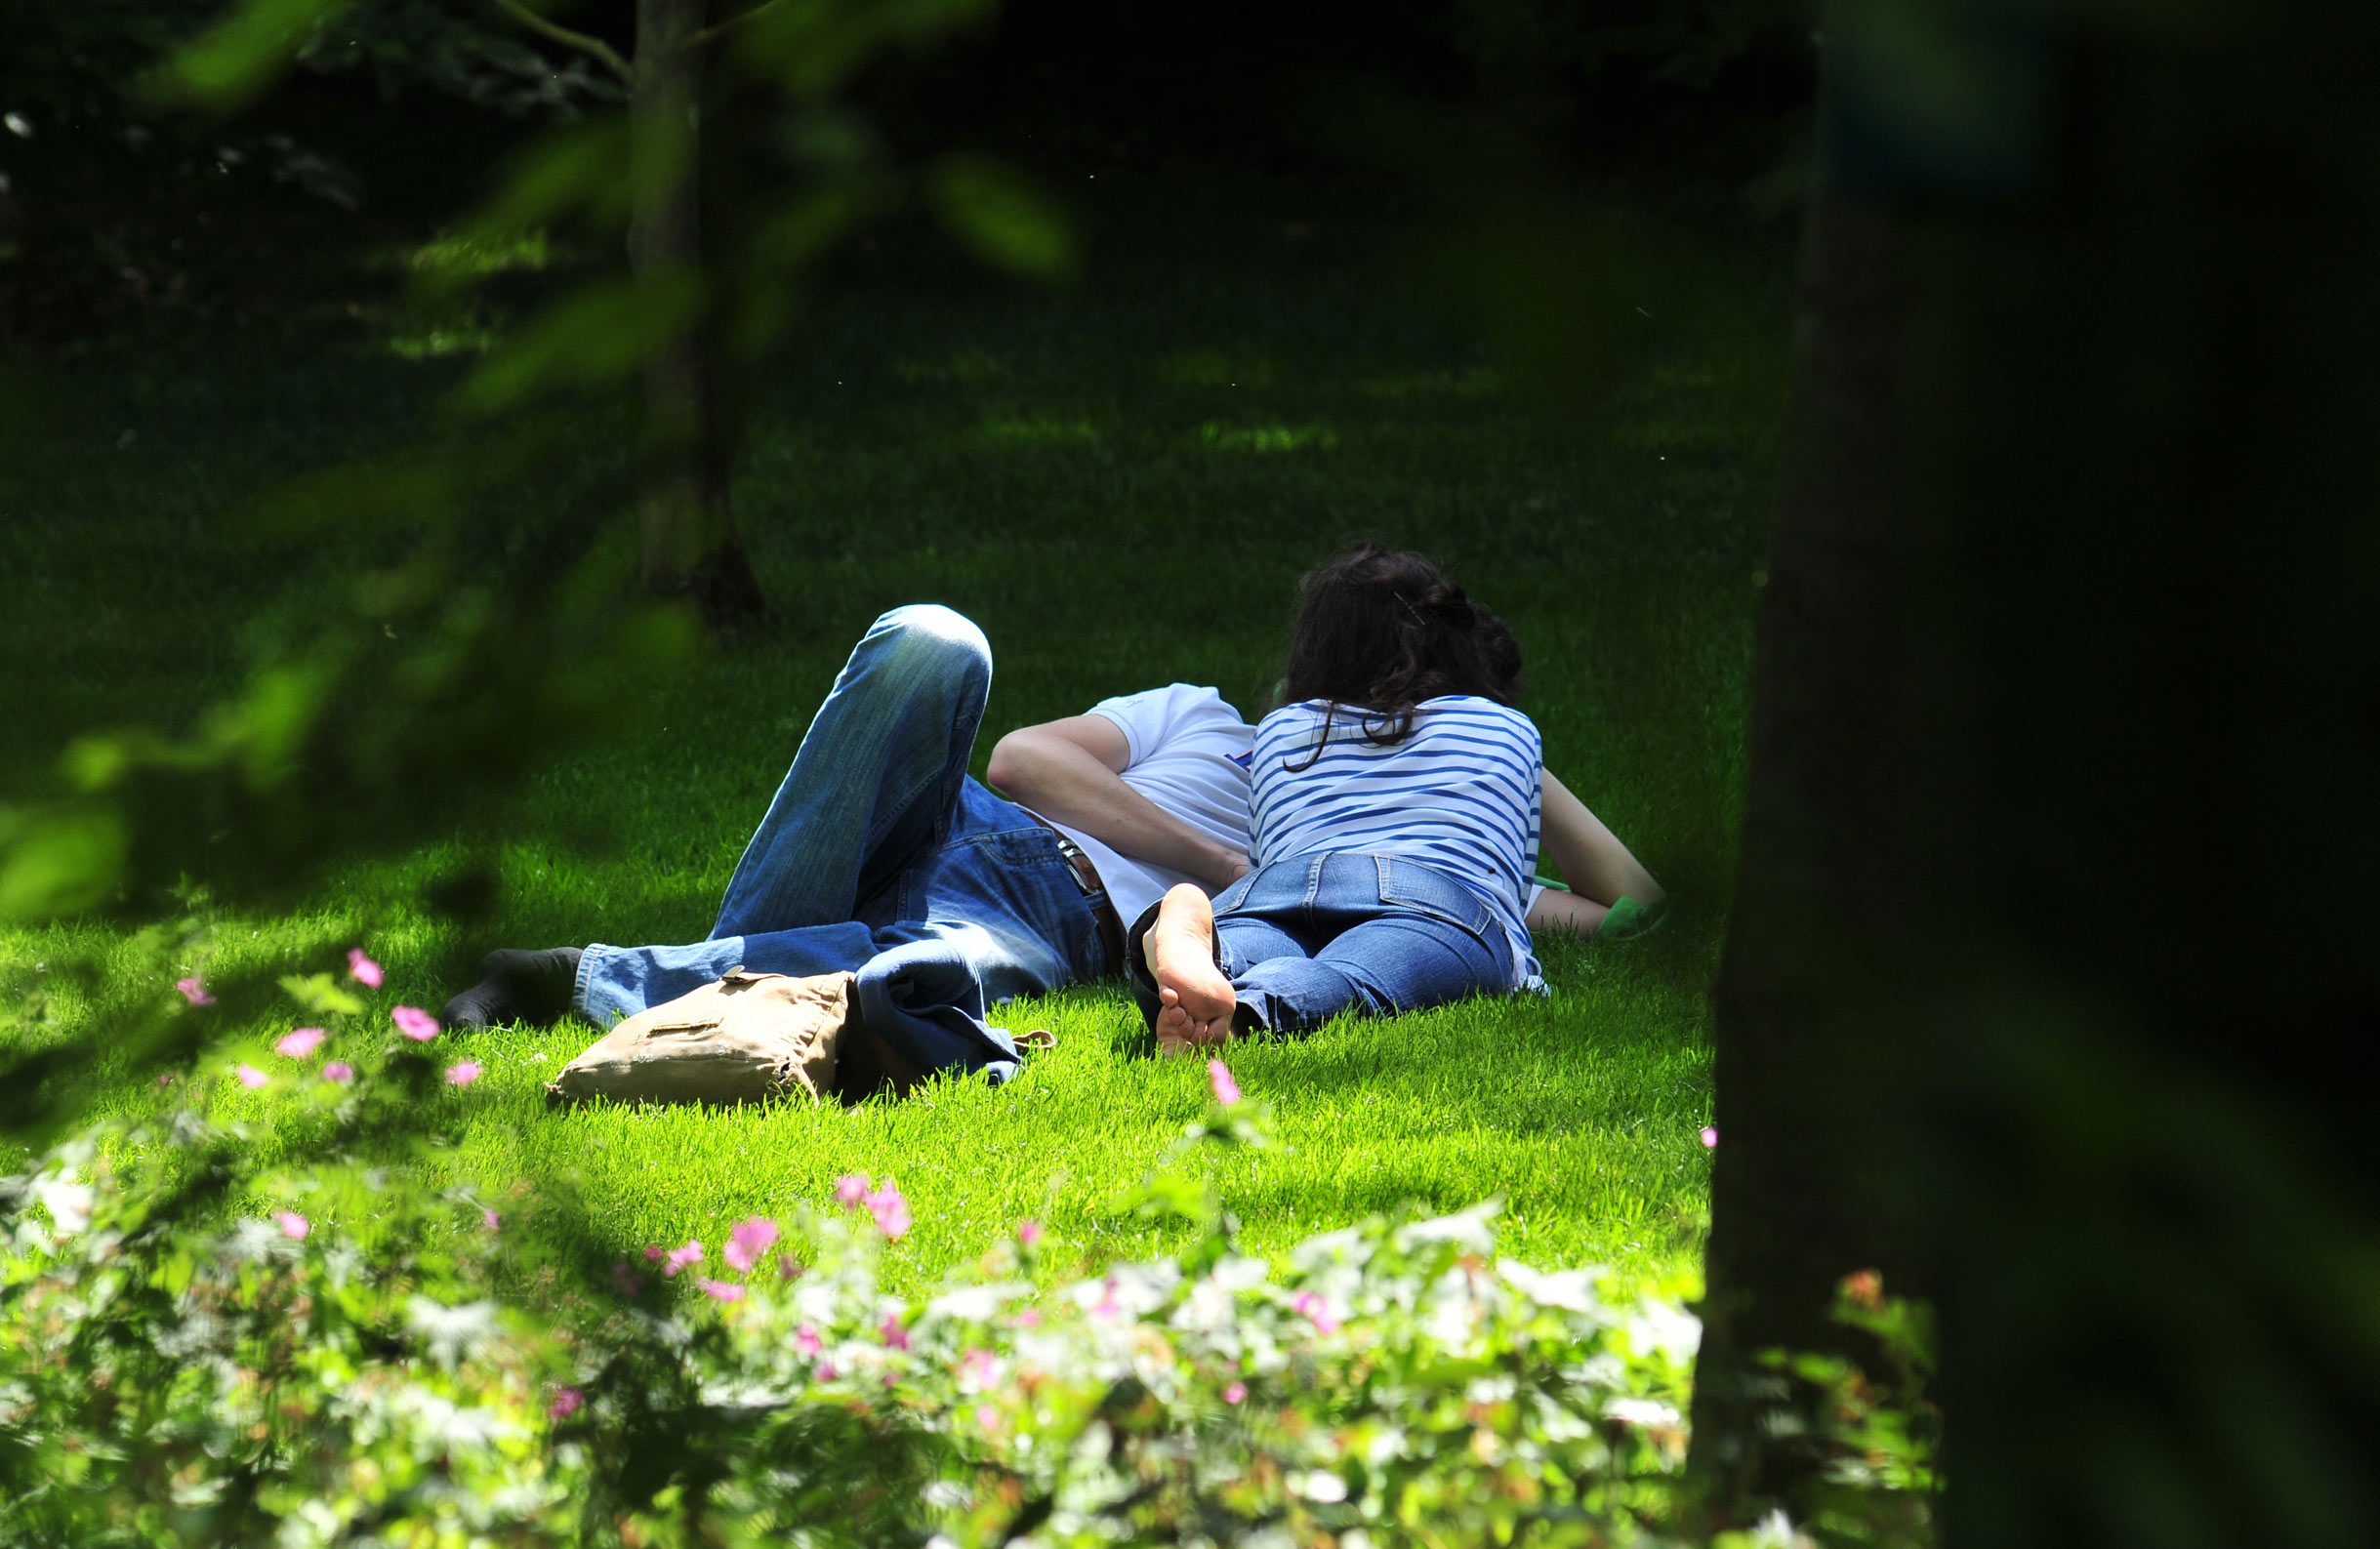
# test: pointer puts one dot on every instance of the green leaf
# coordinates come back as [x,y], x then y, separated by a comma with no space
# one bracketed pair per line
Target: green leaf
[595,335]
[61,858]
[1004,215]
[231,63]
[320,994]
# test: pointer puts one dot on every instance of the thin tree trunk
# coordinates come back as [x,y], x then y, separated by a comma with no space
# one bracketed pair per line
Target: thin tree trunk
[690,545]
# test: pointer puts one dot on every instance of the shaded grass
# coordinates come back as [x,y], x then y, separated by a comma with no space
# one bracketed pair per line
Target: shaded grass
[1121,483]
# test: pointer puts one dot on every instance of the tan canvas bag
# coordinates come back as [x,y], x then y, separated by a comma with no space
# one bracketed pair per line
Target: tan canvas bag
[738,1040]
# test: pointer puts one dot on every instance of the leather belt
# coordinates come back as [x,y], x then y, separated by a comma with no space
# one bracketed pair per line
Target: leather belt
[1087,877]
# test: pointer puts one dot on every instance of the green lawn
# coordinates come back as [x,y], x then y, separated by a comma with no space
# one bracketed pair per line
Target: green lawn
[1121,483]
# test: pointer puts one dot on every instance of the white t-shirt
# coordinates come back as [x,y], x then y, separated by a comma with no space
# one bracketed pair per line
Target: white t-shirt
[1189,755]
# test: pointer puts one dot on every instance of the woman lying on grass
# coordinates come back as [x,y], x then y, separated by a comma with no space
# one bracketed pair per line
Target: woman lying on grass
[1394,824]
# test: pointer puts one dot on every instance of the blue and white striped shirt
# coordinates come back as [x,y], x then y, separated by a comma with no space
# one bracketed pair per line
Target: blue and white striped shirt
[1460,794]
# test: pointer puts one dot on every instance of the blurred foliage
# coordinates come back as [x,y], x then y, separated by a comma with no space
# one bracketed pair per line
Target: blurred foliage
[350,1361]
[478,652]
[1540,57]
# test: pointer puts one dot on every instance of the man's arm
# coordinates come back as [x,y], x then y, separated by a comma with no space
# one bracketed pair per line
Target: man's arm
[1594,863]
[1072,771]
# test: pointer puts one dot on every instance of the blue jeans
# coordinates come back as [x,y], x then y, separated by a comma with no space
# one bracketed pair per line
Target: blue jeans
[1303,940]
[881,856]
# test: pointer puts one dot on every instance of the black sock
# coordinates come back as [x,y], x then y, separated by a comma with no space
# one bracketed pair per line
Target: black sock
[515,986]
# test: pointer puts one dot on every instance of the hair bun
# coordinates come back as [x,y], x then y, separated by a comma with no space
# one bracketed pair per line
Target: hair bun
[1449,604]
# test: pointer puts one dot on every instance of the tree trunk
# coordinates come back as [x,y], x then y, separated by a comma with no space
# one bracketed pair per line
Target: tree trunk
[690,545]
[2082,498]
[1799,1193]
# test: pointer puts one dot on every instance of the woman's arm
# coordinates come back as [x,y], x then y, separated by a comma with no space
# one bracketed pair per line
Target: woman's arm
[1598,868]
[1071,771]
[1556,909]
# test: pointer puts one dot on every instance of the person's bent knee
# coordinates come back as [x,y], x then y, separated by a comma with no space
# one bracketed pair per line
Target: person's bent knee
[927,636]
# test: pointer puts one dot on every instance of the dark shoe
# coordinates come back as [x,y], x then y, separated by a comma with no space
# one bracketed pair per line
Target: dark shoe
[515,986]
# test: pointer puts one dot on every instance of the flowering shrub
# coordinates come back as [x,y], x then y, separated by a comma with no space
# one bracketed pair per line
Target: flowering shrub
[278,1379]
[193,1350]
[262,1383]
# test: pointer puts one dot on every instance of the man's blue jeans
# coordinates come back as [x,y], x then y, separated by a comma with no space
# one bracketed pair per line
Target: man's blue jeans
[881,856]
[1303,940]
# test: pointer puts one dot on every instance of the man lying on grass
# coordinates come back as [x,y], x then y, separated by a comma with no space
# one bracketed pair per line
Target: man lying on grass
[881,856]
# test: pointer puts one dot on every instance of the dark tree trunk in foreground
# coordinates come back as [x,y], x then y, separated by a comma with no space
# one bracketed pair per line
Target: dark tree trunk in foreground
[1798,1196]
[689,540]
[2056,946]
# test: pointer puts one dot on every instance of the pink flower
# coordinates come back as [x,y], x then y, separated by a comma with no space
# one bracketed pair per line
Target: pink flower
[1028,1232]
[626,1281]
[415,1023]
[362,969]
[652,1253]
[789,1266]
[826,1373]
[339,1071]
[193,991]
[747,1242]
[299,1044]
[806,1340]
[462,1073]
[1226,1090]
[720,1290]
[987,1418]
[565,1402]
[1237,1393]
[1108,1306]
[685,1257]
[1710,1137]
[1028,1319]
[850,1189]
[981,1365]
[490,1219]
[293,1225]
[895,1337]
[249,1075]
[1315,1308]
[890,1211]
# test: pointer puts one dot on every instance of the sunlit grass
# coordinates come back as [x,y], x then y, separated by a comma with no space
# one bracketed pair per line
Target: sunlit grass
[883,466]
[437,343]
[1040,430]
[1216,368]
[473,255]
[968,365]
[1216,436]
[1478,382]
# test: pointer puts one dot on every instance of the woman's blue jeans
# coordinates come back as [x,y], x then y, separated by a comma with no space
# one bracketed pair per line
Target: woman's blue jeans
[1303,940]
[879,843]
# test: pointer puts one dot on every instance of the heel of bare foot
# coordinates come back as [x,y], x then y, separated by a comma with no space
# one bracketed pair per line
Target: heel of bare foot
[1180,952]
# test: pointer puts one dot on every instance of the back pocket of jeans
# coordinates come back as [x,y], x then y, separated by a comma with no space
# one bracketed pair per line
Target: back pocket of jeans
[1425,889]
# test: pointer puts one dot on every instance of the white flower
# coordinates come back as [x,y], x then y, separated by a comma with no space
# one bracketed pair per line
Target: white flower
[1570,1291]
[451,1332]
[1320,1485]
[1644,1412]
[67,1202]
[974,1304]
[1666,1327]
[1468,1228]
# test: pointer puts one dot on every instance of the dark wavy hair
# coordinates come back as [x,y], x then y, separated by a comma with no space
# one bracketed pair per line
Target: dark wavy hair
[1378,631]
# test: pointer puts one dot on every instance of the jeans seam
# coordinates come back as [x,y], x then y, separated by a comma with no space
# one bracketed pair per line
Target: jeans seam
[584,979]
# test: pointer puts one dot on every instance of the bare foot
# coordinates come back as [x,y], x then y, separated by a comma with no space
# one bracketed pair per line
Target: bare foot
[1196,1001]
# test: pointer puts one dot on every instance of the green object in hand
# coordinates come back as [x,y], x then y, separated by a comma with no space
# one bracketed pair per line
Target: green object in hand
[1630,921]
